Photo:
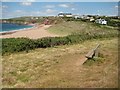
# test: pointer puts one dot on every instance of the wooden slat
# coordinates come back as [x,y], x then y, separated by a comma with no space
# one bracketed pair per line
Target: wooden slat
[96,46]
[93,52]
[90,54]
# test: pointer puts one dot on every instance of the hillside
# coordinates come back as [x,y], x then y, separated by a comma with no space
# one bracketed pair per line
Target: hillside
[59,62]
[61,66]
[76,27]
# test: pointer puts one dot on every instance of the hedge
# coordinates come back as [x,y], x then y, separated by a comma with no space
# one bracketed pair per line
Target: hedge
[11,45]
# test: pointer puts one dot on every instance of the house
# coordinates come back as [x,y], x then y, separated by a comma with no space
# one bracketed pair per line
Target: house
[76,16]
[101,21]
[85,17]
[36,18]
[92,19]
[65,15]
[61,15]
[4,21]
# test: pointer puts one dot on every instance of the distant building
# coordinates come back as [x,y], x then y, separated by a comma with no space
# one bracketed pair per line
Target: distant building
[4,21]
[65,15]
[92,19]
[76,16]
[36,18]
[85,17]
[101,21]
[32,17]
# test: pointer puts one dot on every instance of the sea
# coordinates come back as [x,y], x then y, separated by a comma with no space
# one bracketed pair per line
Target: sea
[5,27]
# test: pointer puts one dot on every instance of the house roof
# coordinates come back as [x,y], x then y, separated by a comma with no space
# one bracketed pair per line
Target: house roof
[65,14]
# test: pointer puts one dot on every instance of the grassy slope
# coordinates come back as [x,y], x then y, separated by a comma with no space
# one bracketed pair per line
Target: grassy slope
[61,67]
[70,27]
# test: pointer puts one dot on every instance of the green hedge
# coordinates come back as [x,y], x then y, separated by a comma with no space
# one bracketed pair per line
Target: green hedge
[24,44]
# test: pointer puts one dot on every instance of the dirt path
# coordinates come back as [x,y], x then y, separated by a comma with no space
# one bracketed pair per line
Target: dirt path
[34,33]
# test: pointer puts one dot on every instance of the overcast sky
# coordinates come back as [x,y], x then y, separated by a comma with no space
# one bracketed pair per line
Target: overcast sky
[34,8]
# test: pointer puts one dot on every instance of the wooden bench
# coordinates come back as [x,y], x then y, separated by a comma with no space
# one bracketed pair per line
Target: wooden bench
[93,52]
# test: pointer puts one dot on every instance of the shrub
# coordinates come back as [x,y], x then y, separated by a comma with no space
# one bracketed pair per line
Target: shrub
[24,44]
[16,45]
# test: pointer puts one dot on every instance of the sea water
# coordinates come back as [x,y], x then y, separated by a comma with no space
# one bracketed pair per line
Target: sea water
[4,27]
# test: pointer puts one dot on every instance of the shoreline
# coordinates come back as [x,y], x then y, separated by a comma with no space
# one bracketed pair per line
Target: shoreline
[13,31]
[35,32]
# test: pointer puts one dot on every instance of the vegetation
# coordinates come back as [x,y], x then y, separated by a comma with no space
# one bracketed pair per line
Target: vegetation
[61,67]
[63,60]
[24,44]
[77,31]
[70,27]
[95,60]
[30,19]
[111,21]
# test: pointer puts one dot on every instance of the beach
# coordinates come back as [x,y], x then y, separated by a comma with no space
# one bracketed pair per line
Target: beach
[38,31]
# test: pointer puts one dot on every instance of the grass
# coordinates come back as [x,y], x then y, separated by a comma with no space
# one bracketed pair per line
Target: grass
[76,31]
[93,61]
[68,28]
[61,66]
[13,45]
[117,20]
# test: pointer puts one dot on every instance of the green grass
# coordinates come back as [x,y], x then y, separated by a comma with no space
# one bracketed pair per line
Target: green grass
[67,28]
[117,20]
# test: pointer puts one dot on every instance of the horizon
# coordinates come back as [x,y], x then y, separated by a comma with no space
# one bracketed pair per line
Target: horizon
[37,9]
[57,15]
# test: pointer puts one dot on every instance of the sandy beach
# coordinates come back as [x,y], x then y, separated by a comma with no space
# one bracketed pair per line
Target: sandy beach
[36,32]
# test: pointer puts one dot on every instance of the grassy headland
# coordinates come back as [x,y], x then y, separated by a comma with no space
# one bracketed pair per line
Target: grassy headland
[61,65]
[73,31]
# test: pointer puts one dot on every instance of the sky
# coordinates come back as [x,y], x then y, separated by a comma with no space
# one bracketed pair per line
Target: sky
[60,0]
[32,8]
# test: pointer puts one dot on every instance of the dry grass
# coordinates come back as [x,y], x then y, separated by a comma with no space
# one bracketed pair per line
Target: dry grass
[61,66]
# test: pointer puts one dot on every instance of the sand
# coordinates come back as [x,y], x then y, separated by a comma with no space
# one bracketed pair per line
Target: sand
[33,33]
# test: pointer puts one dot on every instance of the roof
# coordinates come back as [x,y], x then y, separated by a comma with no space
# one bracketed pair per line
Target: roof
[65,14]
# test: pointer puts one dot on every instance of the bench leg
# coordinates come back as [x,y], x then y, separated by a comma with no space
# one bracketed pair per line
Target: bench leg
[96,52]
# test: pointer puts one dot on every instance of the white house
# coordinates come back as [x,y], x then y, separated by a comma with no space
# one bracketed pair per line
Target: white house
[60,15]
[92,19]
[101,21]
[76,16]
[65,15]
[85,17]
[36,18]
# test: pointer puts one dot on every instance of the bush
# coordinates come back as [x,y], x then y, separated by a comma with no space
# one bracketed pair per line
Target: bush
[17,44]
[24,44]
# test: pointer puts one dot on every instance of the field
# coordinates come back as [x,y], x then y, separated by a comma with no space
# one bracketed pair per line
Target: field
[73,27]
[62,66]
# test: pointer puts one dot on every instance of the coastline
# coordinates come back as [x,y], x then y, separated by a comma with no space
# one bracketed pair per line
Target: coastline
[13,31]
[35,32]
